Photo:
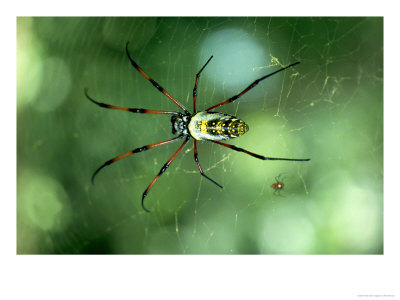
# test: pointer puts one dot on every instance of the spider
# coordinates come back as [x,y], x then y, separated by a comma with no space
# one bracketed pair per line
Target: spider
[205,125]
[278,185]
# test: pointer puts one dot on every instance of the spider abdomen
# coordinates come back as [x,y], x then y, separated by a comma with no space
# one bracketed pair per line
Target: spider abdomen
[216,126]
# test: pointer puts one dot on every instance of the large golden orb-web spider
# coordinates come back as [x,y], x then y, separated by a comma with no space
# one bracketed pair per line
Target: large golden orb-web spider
[205,125]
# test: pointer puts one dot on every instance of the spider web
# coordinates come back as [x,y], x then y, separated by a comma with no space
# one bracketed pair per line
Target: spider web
[327,108]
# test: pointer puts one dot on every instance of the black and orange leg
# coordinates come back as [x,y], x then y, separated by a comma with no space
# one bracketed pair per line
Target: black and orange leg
[200,169]
[257,155]
[249,87]
[133,110]
[195,85]
[140,149]
[165,167]
[155,84]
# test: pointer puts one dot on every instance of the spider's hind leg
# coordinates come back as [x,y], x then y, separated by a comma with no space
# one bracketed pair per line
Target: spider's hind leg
[200,169]
[166,165]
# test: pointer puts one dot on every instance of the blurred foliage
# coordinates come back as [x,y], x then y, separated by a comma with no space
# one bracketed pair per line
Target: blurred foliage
[329,108]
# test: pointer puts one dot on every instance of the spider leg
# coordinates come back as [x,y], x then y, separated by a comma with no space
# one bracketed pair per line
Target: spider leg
[277,178]
[195,85]
[140,149]
[257,155]
[155,84]
[166,165]
[133,110]
[200,169]
[233,98]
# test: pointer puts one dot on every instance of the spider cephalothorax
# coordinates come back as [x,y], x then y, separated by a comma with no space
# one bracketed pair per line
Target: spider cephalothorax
[180,124]
[205,125]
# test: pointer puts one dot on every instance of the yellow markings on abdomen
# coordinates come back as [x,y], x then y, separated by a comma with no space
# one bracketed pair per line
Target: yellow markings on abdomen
[203,126]
[216,126]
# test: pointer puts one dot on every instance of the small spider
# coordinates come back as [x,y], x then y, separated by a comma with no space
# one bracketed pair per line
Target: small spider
[201,126]
[278,185]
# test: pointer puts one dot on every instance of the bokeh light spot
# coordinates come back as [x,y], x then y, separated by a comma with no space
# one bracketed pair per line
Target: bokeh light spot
[43,201]
[55,84]
[29,63]
[349,215]
[356,219]
[287,231]
[236,53]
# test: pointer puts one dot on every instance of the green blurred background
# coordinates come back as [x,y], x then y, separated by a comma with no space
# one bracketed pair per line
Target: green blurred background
[329,108]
